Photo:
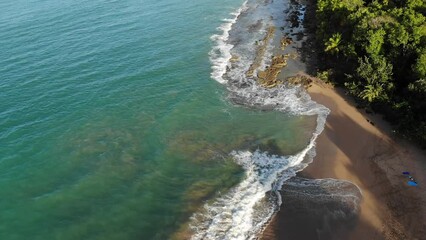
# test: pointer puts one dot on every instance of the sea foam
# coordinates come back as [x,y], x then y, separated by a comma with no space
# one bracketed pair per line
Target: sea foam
[221,52]
[243,212]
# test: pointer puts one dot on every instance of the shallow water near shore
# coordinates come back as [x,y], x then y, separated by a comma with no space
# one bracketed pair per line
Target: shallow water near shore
[110,125]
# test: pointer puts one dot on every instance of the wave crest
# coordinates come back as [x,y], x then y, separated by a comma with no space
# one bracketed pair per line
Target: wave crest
[243,212]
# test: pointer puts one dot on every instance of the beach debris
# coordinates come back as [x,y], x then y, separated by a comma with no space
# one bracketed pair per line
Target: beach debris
[411,181]
[371,122]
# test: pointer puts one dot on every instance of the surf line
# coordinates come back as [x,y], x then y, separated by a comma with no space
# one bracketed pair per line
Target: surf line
[244,211]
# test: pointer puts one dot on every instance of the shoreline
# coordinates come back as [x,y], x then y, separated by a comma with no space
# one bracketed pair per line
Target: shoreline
[359,147]
[355,150]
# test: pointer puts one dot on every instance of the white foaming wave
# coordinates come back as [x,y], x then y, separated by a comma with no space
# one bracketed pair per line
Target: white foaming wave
[284,98]
[236,215]
[243,212]
[221,52]
[247,208]
[231,216]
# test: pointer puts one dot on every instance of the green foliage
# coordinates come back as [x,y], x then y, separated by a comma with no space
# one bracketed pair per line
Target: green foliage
[353,87]
[412,4]
[372,92]
[384,46]
[397,35]
[372,77]
[334,5]
[420,66]
[325,76]
[332,45]
[418,86]
[375,70]
[376,40]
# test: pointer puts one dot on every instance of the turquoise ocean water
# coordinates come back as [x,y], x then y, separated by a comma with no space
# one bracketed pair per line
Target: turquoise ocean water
[110,124]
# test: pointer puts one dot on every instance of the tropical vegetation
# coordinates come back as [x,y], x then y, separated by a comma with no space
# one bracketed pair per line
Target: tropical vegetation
[377,50]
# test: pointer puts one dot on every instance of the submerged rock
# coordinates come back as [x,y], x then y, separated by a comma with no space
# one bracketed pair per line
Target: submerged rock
[261,48]
[268,78]
[234,59]
[285,41]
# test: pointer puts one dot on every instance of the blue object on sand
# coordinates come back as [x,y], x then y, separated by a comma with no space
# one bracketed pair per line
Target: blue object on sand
[412,183]
[406,173]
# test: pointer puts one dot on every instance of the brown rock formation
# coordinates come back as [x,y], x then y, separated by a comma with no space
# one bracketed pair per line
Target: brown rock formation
[285,41]
[268,78]
[260,51]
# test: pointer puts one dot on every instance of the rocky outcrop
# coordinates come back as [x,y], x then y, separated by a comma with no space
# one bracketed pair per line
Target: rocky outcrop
[285,41]
[234,58]
[300,79]
[260,51]
[269,77]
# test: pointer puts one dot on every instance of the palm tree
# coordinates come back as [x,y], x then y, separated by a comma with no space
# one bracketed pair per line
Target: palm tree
[332,45]
[371,92]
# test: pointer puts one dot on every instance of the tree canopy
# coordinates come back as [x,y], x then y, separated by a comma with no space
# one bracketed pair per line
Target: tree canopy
[383,43]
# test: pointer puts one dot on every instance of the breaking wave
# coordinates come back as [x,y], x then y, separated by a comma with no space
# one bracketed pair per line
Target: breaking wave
[221,52]
[243,212]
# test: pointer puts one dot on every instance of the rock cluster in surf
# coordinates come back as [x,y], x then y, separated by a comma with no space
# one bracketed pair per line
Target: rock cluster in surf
[268,78]
[260,52]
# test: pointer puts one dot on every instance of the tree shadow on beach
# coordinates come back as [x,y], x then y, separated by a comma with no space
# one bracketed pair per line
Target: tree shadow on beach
[376,165]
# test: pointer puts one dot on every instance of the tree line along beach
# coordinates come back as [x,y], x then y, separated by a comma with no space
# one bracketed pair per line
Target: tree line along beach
[356,145]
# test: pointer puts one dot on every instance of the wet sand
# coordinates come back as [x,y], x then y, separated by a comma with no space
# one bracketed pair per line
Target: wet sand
[362,149]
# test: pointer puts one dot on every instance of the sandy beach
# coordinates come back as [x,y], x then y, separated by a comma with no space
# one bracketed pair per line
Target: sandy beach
[362,149]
